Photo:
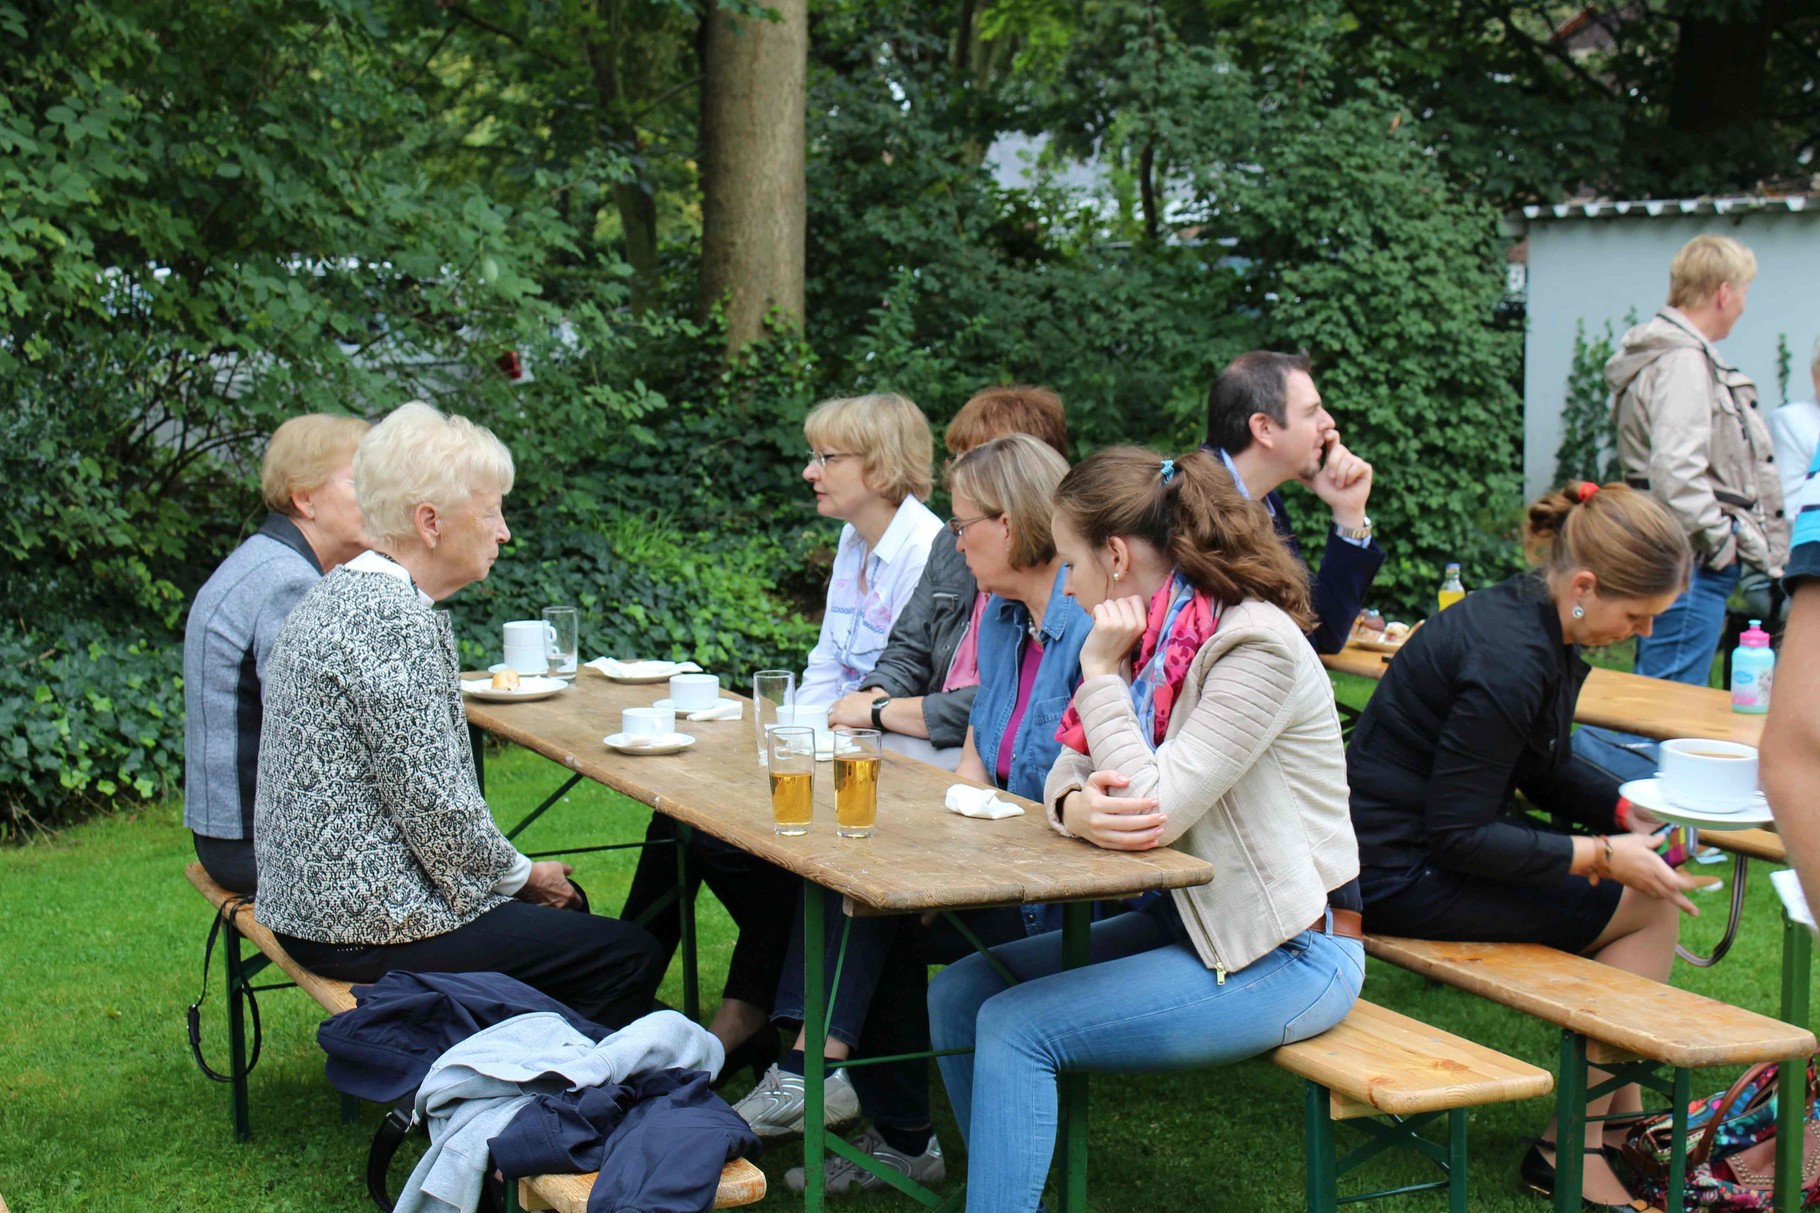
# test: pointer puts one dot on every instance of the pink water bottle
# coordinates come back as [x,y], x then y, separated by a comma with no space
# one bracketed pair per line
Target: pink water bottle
[1753,670]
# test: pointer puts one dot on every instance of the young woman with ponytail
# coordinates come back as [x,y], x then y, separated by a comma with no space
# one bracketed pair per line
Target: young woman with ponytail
[1203,721]
[1477,707]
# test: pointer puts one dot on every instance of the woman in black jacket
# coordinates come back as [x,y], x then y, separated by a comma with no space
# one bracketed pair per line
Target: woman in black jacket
[1478,707]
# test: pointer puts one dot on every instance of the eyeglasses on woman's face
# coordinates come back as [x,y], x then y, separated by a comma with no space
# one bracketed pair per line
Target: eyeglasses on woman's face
[958,526]
[822,459]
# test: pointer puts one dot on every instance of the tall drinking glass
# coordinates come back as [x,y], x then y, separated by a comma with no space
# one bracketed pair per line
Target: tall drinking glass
[856,764]
[771,690]
[792,766]
[562,639]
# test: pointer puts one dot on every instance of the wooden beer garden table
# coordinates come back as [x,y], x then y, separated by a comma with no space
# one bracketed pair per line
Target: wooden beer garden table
[1659,709]
[922,857]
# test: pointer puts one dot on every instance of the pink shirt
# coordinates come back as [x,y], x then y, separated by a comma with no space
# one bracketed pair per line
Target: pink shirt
[1028,663]
[964,669]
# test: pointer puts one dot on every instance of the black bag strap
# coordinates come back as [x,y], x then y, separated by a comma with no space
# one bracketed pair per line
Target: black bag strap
[390,1135]
[392,1131]
[229,909]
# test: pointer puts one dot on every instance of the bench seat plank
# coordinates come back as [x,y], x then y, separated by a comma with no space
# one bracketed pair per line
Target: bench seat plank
[1377,1062]
[741,1183]
[1636,1015]
[333,995]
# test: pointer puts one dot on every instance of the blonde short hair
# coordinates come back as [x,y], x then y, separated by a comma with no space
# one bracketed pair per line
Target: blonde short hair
[1014,477]
[303,453]
[418,454]
[1703,264]
[888,432]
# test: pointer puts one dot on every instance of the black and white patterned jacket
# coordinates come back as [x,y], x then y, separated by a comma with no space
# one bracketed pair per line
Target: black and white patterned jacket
[369,825]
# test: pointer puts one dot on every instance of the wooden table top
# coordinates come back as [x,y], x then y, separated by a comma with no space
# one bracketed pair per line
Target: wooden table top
[1611,699]
[922,856]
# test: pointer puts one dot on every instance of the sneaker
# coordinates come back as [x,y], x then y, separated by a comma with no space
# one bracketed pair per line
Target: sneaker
[844,1175]
[774,1108]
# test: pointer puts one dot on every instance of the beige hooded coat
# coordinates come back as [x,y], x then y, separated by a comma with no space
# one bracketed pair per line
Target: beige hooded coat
[1689,429]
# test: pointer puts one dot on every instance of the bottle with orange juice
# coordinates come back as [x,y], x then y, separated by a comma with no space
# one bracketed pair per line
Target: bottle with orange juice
[1451,589]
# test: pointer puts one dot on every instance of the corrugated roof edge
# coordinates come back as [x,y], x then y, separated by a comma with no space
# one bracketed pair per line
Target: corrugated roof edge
[1517,221]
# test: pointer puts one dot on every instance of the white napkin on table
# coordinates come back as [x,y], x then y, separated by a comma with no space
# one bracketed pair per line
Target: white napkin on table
[1788,887]
[726,709]
[969,801]
[614,668]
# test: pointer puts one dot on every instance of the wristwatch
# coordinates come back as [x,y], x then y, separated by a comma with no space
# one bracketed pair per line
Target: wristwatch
[1360,534]
[878,707]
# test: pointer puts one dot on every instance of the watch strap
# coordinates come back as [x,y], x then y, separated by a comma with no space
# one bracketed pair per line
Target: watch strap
[878,708]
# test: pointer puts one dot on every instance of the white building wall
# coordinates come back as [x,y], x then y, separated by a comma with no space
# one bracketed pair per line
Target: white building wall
[1600,268]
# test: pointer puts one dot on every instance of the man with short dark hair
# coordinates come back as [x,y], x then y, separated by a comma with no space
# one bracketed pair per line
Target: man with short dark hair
[1266,421]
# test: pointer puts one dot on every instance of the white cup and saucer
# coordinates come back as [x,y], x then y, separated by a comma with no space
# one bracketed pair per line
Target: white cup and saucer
[692,693]
[1703,782]
[649,730]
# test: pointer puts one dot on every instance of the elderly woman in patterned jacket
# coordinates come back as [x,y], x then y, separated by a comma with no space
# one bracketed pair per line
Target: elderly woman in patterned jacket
[376,848]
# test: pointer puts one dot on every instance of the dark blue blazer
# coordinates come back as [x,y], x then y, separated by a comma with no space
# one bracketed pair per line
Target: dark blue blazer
[1338,586]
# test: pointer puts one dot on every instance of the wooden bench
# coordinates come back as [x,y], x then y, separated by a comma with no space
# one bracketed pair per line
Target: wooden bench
[1627,1025]
[1379,1064]
[741,1183]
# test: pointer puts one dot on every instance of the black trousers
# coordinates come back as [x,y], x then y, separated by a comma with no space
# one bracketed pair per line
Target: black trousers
[604,969]
[229,862]
[761,898]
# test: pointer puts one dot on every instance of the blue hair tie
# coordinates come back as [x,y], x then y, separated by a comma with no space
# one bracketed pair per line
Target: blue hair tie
[1168,470]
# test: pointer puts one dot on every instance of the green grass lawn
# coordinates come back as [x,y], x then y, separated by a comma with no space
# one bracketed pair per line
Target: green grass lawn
[102,1109]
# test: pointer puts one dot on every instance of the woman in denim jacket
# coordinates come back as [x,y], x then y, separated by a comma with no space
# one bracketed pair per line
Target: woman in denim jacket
[1029,658]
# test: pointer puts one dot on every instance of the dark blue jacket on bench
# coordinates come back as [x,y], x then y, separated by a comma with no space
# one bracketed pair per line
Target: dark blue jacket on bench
[381,1050]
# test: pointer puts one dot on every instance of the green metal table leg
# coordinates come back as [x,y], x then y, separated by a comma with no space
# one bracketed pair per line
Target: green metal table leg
[1570,1122]
[1791,1080]
[1323,1184]
[815,1019]
[685,916]
[1077,919]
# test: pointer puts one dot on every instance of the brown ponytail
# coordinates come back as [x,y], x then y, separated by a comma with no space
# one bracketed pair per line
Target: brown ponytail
[1223,543]
[1625,538]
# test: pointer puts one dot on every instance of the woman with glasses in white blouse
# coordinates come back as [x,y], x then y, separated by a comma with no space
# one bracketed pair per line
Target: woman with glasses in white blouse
[869,467]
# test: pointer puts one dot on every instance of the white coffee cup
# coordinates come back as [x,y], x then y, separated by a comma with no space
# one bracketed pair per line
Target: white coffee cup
[694,692]
[1706,776]
[647,722]
[804,716]
[527,646]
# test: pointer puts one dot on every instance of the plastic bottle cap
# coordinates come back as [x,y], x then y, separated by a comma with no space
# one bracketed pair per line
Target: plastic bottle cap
[1452,568]
[1755,637]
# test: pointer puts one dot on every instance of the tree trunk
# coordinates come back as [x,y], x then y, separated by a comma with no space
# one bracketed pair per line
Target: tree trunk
[632,199]
[754,203]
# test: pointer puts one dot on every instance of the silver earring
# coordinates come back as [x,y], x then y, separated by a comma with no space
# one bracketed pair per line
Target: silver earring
[1579,611]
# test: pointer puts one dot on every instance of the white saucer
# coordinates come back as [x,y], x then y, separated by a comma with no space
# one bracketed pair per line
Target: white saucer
[530,686]
[825,753]
[1647,794]
[670,743]
[667,702]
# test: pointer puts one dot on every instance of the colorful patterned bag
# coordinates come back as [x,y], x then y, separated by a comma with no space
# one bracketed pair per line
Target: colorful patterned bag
[1731,1162]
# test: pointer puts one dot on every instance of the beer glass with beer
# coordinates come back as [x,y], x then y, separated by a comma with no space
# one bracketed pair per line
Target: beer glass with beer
[856,763]
[792,770]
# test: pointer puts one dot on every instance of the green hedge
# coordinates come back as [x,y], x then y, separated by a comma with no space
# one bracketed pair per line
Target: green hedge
[87,719]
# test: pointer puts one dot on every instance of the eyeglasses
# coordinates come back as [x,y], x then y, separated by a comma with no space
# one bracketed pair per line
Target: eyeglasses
[959,525]
[824,458]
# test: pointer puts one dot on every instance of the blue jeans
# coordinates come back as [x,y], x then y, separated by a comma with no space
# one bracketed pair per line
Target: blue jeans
[1145,1003]
[1679,649]
[1686,635]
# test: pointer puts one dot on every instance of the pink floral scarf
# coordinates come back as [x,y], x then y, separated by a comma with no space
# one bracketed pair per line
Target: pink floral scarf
[1182,618]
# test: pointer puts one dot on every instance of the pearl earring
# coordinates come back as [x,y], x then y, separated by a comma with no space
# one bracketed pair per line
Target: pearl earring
[1579,611]
[1116,576]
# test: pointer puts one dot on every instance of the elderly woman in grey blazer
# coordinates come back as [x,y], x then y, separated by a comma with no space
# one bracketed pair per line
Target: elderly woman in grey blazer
[376,848]
[307,481]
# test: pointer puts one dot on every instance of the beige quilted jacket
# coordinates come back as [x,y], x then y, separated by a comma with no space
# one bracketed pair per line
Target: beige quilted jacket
[1689,428]
[1252,777]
